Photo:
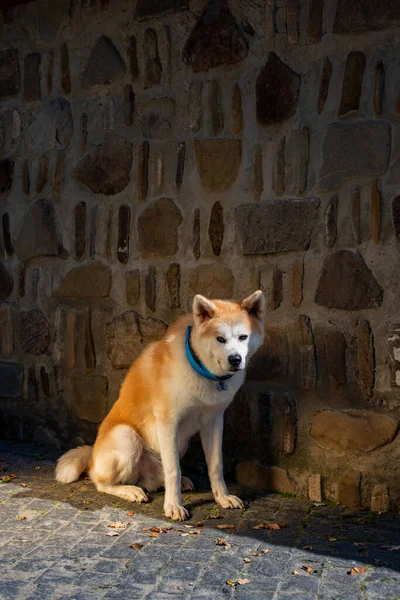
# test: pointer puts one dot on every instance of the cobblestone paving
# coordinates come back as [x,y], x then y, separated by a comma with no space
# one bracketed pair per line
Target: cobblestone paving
[54,544]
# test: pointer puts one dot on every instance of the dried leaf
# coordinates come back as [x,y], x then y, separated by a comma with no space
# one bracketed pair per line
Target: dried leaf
[184,535]
[265,551]
[37,468]
[136,546]
[5,479]
[199,524]
[21,518]
[307,547]
[259,526]
[356,570]
[274,526]
[153,534]
[331,538]
[256,553]
[194,532]
[146,529]
[23,484]
[231,582]
[243,581]
[130,513]
[166,529]
[156,529]
[221,542]
[223,526]
[247,560]
[112,534]
[307,569]
[119,525]
[295,572]
[13,476]
[282,525]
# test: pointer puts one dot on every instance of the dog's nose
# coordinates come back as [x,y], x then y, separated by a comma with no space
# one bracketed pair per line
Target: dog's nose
[234,360]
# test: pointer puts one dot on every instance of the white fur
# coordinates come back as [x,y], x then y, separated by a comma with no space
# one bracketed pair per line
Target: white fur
[72,464]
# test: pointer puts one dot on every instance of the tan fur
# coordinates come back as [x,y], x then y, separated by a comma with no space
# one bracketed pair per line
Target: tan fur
[162,403]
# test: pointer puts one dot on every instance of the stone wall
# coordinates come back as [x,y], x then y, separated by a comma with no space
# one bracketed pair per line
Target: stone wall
[154,149]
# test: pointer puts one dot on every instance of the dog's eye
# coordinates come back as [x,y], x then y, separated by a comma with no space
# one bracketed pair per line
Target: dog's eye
[243,337]
[221,340]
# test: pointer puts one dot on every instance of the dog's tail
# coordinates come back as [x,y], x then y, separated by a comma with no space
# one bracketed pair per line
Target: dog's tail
[72,464]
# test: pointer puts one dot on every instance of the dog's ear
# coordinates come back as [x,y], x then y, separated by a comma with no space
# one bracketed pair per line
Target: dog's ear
[255,304]
[203,309]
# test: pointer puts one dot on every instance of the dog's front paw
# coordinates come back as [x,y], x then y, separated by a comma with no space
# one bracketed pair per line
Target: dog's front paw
[176,512]
[229,502]
[186,484]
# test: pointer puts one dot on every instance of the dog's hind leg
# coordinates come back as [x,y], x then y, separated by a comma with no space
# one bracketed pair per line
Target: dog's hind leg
[116,458]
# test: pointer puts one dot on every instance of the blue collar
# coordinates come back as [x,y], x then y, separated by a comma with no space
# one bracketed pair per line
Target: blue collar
[201,369]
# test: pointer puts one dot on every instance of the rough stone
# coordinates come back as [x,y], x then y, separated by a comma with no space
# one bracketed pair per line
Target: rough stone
[349,489]
[352,84]
[59,174]
[375,212]
[133,59]
[7,234]
[133,286]
[6,177]
[180,164]
[124,227]
[91,280]
[331,222]
[277,92]
[151,8]
[49,127]
[254,474]
[90,397]
[6,328]
[173,281]
[51,17]
[158,228]
[127,334]
[212,280]
[151,288]
[276,289]
[143,167]
[196,234]
[271,361]
[324,85]
[315,487]
[43,173]
[394,354]
[80,229]
[32,77]
[355,214]
[354,150]
[34,332]
[157,117]
[46,437]
[104,66]
[194,107]
[9,74]
[129,104]
[357,16]
[258,179]
[379,89]
[305,339]
[314,26]
[218,163]
[352,431]
[45,381]
[217,118]
[335,348]
[106,170]
[65,72]
[279,174]
[215,39]
[70,338]
[276,225]
[40,234]
[216,228]
[380,498]
[347,283]
[366,357]
[237,110]
[297,283]
[26,180]
[304,158]
[152,68]
[11,375]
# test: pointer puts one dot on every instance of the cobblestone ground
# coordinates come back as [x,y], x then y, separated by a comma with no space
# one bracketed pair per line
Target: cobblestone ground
[55,542]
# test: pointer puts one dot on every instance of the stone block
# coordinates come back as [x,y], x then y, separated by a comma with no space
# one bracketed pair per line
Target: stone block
[173,281]
[11,376]
[216,228]
[335,348]
[92,280]
[365,15]
[352,431]
[253,474]
[218,162]
[394,354]
[271,361]
[277,91]
[133,286]
[6,329]
[6,177]
[324,84]
[158,228]
[151,8]
[217,118]
[6,282]
[124,231]
[331,222]
[32,91]
[49,127]
[152,66]
[213,281]
[40,232]
[90,397]
[34,332]
[9,74]
[315,488]
[396,218]
[297,283]
[366,358]
[104,65]
[237,110]
[151,288]
[352,150]
[352,84]
[380,498]
[276,225]
[349,489]
[196,234]
[157,117]
[347,283]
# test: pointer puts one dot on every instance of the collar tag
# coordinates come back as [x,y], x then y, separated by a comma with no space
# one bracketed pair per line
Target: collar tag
[222,387]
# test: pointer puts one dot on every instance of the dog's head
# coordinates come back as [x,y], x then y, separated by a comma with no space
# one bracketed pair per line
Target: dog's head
[226,334]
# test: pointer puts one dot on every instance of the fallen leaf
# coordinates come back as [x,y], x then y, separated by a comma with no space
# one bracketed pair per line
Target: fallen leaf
[130,513]
[153,534]
[247,560]
[136,546]
[273,526]
[13,476]
[166,529]
[231,582]
[199,524]
[112,534]
[146,529]
[295,572]
[255,554]
[119,525]
[221,542]
[223,526]
[156,529]
[184,535]
[5,479]
[331,538]
[194,532]
[307,547]
[356,570]
[243,581]
[23,484]
[87,502]
[282,524]
[37,468]
[307,569]
[265,551]
[21,518]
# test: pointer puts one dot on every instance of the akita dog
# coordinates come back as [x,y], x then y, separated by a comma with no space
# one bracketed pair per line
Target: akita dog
[177,387]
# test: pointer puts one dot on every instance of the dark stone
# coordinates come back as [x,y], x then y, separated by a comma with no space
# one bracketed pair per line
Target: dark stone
[196,234]
[352,84]
[133,60]
[218,162]
[276,225]
[49,75]
[104,66]
[237,110]
[216,228]
[217,119]
[213,281]
[277,91]
[49,127]
[314,28]
[124,227]
[9,74]
[40,232]
[158,228]
[6,283]
[34,332]
[65,73]
[375,212]
[143,171]
[173,281]
[350,150]
[347,283]
[84,131]
[280,168]
[11,375]
[297,282]
[276,289]
[356,16]
[151,288]
[152,66]
[331,222]
[355,214]
[379,89]
[90,397]
[7,234]
[21,281]
[335,348]
[366,358]
[59,174]
[32,385]
[45,381]
[194,108]
[80,229]
[6,176]
[324,85]
[133,286]
[93,230]
[92,280]
[32,77]
[304,158]
[180,164]
[107,169]
[43,173]
[26,180]
[129,104]
[157,117]
[396,217]
[215,39]
[151,8]
[271,361]
[258,178]
[89,348]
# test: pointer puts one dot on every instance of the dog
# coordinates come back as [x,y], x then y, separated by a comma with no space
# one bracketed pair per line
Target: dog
[177,387]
